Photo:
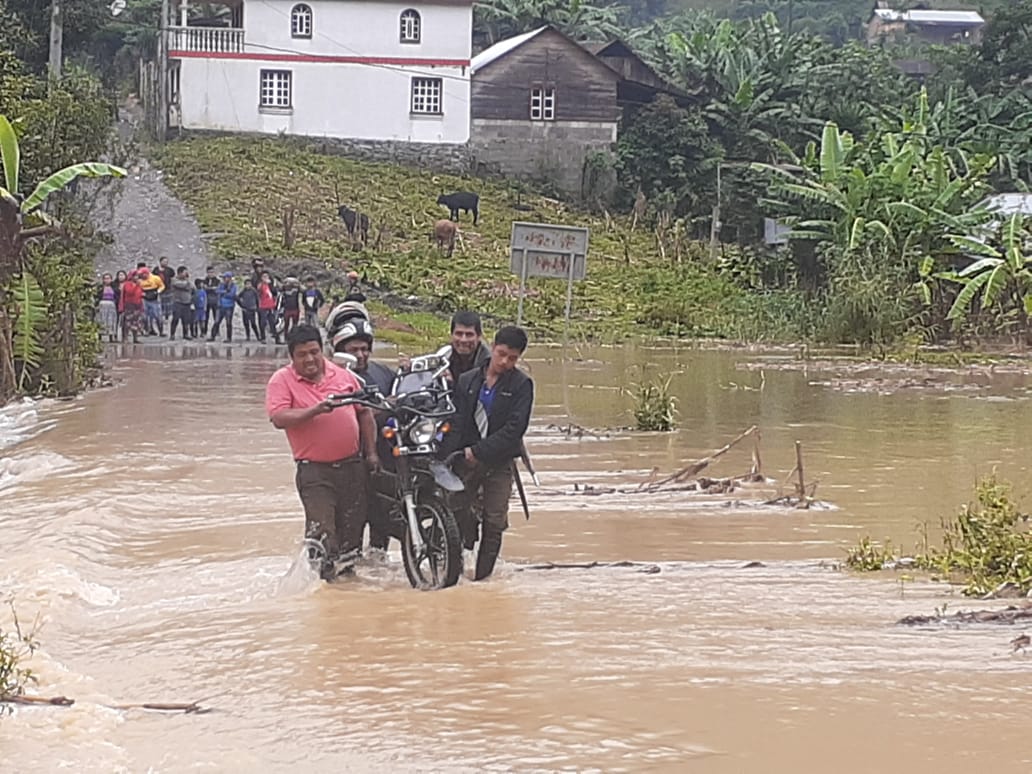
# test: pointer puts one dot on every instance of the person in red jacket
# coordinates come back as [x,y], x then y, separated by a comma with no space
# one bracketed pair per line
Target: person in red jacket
[132,308]
[267,308]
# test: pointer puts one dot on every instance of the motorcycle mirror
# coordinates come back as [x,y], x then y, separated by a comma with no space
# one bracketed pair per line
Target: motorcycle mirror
[444,352]
[344,360]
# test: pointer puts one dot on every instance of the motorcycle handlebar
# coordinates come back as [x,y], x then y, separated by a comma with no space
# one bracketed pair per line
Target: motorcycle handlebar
[378,402]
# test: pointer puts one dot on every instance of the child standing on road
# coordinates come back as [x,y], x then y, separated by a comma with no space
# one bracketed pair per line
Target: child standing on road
[290,303]
[248,301]
[313,301]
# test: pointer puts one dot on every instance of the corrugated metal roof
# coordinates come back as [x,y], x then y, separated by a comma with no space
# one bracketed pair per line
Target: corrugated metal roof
[1010,203]
[500,49]
[930,17]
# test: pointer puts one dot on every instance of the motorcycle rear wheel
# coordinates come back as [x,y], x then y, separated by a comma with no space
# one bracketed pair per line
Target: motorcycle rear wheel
[439,563]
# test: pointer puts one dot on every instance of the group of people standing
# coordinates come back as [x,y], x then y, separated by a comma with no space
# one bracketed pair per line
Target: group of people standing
[335,448]
[140,302]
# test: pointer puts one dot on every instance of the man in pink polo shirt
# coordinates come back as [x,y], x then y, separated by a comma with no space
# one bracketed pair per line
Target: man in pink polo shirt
[329,444]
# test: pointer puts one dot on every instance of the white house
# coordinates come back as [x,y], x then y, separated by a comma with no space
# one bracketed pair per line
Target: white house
[358,69]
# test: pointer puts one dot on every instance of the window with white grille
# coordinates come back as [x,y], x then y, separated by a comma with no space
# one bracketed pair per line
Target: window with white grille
[275,89]
[542,103]
[301,21]
[426,95]
[411,26]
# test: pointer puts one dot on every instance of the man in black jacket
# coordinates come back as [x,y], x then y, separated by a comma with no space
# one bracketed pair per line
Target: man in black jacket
[492,411]
[468,348]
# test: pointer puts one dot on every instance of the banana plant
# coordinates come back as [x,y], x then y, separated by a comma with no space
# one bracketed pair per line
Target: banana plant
[22,218]
[30,319]
[995,271]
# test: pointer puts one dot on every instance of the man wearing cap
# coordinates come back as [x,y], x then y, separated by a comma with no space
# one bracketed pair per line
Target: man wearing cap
[227,297]
[355,337]
[328,444]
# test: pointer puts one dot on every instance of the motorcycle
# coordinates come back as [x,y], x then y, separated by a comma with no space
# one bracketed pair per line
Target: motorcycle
[413,497]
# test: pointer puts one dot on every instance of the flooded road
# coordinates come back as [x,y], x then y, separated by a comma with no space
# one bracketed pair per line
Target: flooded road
[154,528]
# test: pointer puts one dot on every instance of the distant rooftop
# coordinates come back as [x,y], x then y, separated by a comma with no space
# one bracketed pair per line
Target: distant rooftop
[1009,203]
[964,18]
[500,49]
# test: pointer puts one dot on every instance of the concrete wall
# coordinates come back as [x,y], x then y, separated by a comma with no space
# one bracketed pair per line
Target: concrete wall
[351,79]
[547,150]
[329,100]
[358,28]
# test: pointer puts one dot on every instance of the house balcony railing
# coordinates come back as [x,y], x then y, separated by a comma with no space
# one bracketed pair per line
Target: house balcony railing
[211,40]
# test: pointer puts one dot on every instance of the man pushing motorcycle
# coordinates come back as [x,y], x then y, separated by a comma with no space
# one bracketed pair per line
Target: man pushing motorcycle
[492,411]
[328,444]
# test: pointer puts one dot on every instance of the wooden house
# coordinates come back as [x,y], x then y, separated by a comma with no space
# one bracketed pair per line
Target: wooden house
[540,106]
[639,84]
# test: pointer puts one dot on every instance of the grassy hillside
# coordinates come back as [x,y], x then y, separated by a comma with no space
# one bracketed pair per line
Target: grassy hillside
[239,189]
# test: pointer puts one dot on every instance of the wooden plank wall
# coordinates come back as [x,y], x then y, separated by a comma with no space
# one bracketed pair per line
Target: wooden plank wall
[585,87]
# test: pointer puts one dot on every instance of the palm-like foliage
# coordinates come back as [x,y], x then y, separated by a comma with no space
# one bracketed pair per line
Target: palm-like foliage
[895,200]
[496,20]
[30,320]
[997,270]
[22,219]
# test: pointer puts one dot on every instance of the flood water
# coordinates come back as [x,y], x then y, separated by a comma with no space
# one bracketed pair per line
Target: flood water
[154,529]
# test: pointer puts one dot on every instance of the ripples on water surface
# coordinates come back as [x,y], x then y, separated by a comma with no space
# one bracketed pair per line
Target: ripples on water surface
[155,527]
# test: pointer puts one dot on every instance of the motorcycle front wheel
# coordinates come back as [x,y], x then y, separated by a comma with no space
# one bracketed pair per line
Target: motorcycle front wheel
[438,564]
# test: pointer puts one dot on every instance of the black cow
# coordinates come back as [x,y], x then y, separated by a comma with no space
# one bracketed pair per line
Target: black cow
[461,200]
[352,219]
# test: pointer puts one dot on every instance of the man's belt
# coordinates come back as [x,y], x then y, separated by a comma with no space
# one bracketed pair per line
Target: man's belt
[334,464]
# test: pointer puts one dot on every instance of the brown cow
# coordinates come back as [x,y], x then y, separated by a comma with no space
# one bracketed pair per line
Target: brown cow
[444,234]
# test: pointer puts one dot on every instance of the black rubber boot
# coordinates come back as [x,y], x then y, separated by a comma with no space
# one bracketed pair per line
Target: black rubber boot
[490,547]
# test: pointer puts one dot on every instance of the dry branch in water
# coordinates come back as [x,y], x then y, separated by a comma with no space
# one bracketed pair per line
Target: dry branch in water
[1008,615]
[687,478]
[188,708]
[689,471]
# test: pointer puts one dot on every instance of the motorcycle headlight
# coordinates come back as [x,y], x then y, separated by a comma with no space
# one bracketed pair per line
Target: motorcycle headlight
[423,431]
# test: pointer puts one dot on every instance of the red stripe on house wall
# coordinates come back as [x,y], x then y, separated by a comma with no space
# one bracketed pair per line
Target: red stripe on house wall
[368,60]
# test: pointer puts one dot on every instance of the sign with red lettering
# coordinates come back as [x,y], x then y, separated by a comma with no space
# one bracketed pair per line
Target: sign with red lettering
[548,250]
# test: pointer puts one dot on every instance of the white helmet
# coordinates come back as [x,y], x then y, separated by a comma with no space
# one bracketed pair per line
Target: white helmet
[352,329]
[343,313]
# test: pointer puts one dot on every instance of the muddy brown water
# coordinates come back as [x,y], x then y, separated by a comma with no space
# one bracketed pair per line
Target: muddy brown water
[154,529]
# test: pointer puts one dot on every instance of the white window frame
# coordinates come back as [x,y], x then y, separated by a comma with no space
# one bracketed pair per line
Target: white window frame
[427,96]
[411,26]
[301,21]
[275,91]
[542,102]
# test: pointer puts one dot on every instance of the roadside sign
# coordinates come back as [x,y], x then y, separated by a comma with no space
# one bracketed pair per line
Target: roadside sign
[548,250]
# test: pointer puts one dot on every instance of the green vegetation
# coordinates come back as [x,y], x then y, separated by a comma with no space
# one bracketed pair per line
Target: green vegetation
[631,289]
[985,546]
[16,646]
[48,340]
[788,115]
[37,317]
[654,406]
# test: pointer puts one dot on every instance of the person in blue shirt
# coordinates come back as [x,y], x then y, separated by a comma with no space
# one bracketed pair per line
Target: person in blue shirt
[312,300]
[200,305]
[227,293]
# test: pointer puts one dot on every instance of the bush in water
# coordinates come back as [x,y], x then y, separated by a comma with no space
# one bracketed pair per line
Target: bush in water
[15,646]
[654,406]
[985,545]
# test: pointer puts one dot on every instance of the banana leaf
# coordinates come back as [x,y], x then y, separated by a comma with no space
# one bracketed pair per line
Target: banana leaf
[30,319]
[11,154]
[63,177]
